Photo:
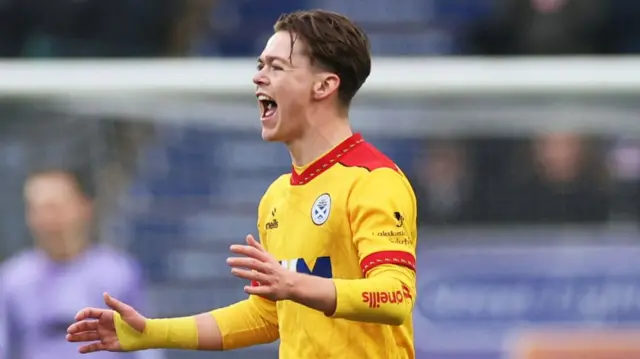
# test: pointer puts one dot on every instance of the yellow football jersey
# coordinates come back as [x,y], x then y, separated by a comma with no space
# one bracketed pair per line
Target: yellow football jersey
[349,215]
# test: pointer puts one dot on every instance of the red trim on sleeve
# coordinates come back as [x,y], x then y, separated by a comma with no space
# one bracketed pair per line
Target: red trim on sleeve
[400,258]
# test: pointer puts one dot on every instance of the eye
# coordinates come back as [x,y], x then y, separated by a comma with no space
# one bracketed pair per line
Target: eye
[259,67]
[277,68]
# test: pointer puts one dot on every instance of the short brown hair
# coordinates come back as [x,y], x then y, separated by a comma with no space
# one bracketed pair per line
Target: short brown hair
[333,43]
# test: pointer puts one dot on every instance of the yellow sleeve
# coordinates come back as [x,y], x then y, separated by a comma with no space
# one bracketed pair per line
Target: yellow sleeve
[249,322]
[382,212]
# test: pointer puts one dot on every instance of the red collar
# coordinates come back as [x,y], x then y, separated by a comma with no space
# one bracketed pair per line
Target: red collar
[327,161]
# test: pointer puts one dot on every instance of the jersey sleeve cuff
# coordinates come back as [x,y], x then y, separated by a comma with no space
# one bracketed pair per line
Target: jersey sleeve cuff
[347,301]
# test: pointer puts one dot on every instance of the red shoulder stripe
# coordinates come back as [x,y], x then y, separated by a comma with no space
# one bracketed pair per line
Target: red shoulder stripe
[368,157]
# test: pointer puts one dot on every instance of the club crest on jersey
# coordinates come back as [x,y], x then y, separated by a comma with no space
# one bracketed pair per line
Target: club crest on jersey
[321,209]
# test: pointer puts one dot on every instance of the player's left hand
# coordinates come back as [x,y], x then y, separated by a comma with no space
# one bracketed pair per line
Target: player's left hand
[269,279]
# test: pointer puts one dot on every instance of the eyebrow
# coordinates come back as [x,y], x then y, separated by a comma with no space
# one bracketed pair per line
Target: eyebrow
[270,59]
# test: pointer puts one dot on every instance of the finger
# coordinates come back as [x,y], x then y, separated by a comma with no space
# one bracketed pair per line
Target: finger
[83,337]
[89,313]
[250,252]
[261,290]
[115,304]
[248,263]
[83,326]
[254,243]
[250,275]
[92,348]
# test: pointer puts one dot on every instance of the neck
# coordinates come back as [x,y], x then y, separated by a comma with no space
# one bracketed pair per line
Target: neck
[318,140]
[67,248]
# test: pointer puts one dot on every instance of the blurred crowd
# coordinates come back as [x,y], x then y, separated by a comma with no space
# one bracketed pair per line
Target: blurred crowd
[144,28]
[166,187]
[550,179]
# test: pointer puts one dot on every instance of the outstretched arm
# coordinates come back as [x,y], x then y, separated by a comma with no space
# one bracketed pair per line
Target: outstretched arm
[249,322]
[122,328]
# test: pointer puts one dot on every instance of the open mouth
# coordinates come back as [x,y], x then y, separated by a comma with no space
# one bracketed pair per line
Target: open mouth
[268,106]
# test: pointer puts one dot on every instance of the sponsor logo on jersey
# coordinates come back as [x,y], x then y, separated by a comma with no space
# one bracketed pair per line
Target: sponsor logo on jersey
[395,236]
[321,268]
[376,299]
[321,209]
[405,241]
[399,219]
[273,224]
[391,233]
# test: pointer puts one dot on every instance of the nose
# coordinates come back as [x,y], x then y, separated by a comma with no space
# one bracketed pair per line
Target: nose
[260,79]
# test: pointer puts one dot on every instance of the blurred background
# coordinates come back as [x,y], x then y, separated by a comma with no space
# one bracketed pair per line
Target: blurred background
[528,193]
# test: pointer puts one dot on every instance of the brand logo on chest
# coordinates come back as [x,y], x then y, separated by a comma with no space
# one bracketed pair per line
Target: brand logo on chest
[273,223]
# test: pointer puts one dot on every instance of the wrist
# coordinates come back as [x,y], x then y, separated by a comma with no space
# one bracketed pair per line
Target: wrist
[294,287]
[129,337]
[313,292]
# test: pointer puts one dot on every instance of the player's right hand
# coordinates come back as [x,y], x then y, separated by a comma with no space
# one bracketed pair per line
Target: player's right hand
[96,326]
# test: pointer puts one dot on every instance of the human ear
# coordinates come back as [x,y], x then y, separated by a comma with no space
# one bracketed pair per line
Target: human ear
[326,84]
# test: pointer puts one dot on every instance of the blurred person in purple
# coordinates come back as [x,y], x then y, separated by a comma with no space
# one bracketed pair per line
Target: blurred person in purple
[4,334]
[43,287]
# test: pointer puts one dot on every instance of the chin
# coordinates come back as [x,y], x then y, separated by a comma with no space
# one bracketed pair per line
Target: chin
[271,135]
[268,136]
[273,131]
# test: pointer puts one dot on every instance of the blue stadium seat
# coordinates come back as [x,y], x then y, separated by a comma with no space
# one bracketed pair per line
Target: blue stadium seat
[200,188]
[241,27]
[396,27]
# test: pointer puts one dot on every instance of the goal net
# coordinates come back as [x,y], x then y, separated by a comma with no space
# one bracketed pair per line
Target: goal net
[175,152]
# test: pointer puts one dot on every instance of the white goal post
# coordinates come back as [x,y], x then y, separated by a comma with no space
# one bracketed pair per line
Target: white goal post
[408,90]
[401,76]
